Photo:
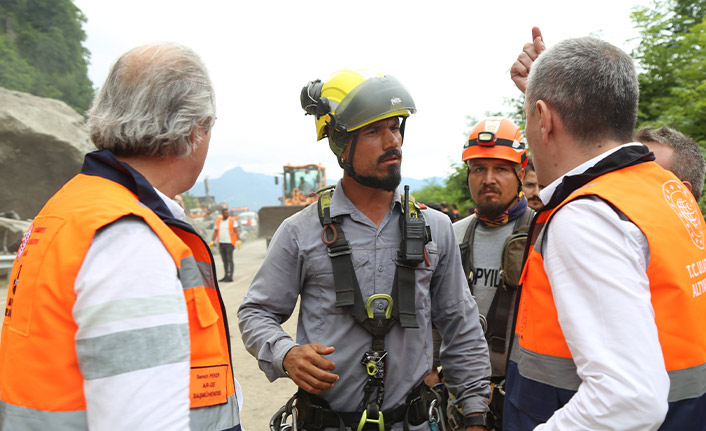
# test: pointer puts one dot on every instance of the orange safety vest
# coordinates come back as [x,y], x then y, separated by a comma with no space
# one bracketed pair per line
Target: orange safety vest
[669,217]
[40,380]
[231,229]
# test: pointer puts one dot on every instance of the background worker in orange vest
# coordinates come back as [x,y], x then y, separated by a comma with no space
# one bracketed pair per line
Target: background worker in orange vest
[609,331]
[113,318]
[226,233]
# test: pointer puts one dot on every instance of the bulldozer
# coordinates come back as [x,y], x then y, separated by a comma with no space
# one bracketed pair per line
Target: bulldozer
[299,186]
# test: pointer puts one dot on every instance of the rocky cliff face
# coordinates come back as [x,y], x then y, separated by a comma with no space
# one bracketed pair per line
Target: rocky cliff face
[42,144]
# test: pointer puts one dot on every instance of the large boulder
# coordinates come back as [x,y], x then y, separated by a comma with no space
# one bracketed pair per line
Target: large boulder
[42,144]
[11,233]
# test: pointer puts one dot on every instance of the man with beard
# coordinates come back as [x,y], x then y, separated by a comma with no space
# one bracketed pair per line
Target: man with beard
[492,240]
[531,187]
[373,270]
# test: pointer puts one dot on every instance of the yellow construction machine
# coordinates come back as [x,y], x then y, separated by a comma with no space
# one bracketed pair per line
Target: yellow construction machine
[299,186]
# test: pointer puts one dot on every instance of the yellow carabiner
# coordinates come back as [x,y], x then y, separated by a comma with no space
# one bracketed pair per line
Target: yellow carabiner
[371,368]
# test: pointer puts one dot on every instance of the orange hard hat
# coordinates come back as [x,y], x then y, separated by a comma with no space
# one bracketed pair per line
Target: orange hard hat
[496,138]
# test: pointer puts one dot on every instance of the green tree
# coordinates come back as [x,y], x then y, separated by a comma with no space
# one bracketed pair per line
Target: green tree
[190,202]
[454,190]
[41,50]
[672,64]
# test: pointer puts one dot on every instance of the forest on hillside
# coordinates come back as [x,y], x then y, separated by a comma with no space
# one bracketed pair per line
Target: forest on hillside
[42,52]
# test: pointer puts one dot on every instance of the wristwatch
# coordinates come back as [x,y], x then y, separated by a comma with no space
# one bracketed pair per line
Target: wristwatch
[474,421]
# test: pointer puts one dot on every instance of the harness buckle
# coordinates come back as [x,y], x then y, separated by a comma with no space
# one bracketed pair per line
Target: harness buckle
[335,247]
[369,309]
[366,418]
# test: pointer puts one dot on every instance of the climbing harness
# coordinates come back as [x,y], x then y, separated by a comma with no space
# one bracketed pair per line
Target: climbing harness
[399,307]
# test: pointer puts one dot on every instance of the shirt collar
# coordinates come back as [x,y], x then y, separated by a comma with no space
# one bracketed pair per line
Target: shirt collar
[341,205]
[546,194]
[176,209]
[103,163]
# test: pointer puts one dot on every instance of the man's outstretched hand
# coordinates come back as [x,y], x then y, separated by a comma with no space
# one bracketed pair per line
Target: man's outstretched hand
[309,369]
[521,67]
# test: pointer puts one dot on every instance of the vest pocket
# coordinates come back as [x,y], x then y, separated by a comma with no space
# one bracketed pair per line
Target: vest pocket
[208,348]
[199,306]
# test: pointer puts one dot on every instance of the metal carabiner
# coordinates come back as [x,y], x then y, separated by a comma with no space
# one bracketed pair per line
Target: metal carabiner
[276,421]
[436,417]
[279,420]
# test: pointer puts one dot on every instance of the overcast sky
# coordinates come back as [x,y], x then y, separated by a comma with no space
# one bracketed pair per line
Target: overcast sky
[454,58]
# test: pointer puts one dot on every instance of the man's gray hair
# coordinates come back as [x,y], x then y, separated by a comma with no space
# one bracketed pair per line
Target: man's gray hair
[688,162]
[153,99]
[592,85]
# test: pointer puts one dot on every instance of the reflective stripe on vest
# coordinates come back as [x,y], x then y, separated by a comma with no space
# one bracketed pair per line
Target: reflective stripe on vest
[665,218]
[36,390]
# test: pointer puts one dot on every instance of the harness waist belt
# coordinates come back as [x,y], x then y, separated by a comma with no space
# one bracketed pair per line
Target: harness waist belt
[316,415]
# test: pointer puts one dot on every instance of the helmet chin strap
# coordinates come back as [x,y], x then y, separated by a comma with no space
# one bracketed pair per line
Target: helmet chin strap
[519,181]
[347,166]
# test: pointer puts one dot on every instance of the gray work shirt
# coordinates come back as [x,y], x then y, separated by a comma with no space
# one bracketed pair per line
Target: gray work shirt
[487,246]
[297,264]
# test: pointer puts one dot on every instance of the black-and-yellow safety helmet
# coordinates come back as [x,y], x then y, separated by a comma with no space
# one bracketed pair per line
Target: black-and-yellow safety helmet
[351,99]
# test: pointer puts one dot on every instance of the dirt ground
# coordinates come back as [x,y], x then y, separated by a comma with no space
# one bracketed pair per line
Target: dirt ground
[261,399]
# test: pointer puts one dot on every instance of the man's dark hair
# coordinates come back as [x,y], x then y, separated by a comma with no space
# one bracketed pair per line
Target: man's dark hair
[688,162]
[530,165]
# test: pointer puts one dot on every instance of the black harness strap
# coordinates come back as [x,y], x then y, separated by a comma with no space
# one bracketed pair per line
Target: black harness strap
[346,283]
[467,252]
[500,307]
[497,319]
[339,249]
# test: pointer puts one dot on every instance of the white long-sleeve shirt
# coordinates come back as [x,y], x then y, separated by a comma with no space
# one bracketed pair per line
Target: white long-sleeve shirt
[127,292]
[596,263]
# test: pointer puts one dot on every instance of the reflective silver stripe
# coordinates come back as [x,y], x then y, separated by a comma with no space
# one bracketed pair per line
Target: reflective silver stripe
[14,417]
[561,372]
[130,308]
[539,242]
[189,273]
[551,370]
[218,417]
[687,383]
[207,274]
[104,356]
